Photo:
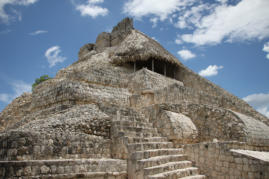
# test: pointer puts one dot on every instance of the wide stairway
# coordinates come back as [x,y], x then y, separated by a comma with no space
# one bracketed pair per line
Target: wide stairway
[150,156]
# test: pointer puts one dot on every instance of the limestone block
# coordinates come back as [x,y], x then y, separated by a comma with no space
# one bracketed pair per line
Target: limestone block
[27,171]
[103,41]
[177,127]
[86,49]
[44,169]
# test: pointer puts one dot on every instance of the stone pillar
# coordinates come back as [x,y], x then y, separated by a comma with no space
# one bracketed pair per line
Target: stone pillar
[134,66]
[152,64]
[164,71]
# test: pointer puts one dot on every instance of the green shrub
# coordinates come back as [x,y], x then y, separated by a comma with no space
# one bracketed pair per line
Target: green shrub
[40,80]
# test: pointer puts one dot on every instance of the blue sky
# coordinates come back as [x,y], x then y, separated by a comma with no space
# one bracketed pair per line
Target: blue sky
[226,41]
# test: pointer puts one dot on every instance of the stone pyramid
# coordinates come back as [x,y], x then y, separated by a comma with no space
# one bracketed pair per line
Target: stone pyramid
[129,109]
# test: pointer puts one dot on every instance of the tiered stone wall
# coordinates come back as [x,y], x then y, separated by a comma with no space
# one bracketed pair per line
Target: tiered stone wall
[176,94]
[103,168]
[211,122]
[17,145]
[15,111]
[216,160]
[79,93]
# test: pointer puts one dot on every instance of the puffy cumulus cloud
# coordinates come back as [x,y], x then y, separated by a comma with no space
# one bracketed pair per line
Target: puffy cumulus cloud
[211,70]
[160,9]
[91,8]
[38,32]
[221,21]
[18,87]
[6,17]
[53,56]
[266,49]
[191,16]
[186,54]
[260,101]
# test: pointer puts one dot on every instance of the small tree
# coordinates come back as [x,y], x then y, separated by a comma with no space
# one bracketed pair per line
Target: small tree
[40,80]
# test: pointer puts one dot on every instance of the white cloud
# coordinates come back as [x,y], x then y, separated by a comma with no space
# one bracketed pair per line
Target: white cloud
[154,21]
[192,15]
[264,111]
[38,32]
[178,40]
[186,54]
[53,56]
[246,20]
[159,8]
[259,101]
[154,38]
[92,9]
[6,17]
[211,70]
[266,49]
[18,87]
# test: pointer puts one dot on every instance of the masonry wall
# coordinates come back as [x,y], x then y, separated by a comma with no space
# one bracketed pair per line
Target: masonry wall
[176,94]
[215,160]
[101,169]
[79,93]
[15,111]
[17,145]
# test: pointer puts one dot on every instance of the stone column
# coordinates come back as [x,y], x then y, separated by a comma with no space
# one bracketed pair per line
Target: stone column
[164,71]
[152,64]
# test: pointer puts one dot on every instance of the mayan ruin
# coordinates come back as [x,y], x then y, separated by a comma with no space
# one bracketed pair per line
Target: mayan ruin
[128,109]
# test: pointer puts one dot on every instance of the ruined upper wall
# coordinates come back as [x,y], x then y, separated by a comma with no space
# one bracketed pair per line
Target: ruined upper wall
[106,39]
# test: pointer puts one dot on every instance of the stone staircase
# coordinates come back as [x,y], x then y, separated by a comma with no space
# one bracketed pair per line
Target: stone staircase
[149,155]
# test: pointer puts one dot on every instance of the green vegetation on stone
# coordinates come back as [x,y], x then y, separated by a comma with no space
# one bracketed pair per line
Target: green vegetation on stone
[40,80]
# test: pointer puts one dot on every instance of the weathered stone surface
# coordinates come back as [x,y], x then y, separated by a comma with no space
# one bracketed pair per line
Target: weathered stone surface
[229,159]
[103,40]
[176,127]
[15,111]
[120,31]
[128,98]
[86,51]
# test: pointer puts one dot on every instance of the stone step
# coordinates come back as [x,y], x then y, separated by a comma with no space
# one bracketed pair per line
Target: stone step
[167,167]
[159,160]
[130,114]
[136,129]
[138,134]
[89,175]
[59,167]
[134,118]
[175,173]
[130,123]
[156,152]
[149,139]
[149,145]
[194,177]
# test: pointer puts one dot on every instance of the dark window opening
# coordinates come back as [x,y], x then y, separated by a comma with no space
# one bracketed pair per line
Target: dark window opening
[159,66]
